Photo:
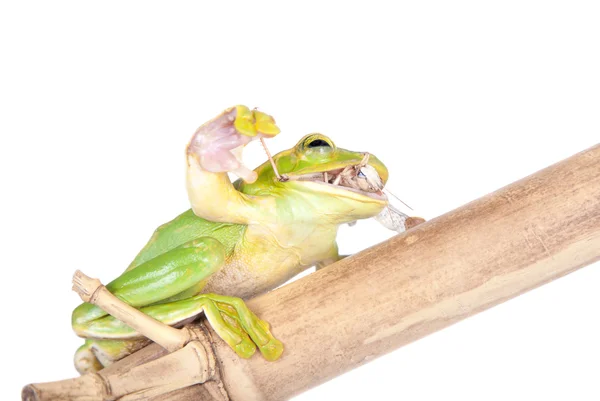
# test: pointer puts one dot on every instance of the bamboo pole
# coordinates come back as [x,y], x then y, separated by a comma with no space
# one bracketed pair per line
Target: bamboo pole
[484,253]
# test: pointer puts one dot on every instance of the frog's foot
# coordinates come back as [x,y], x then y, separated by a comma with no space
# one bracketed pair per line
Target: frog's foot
[86,361]
[237,313]
[231,319]
[218,143]
[97,354]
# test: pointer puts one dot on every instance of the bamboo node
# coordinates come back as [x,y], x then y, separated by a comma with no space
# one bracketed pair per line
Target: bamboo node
[85,286]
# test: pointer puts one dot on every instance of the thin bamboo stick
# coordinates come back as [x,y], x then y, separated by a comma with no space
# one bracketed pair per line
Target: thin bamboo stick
[484,253]
[91,290]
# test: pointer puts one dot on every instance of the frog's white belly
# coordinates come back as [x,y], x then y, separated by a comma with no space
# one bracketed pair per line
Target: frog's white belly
[242,280]
[262,262]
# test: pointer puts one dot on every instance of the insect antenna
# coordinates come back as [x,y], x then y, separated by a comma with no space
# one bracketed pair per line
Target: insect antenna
[390,192]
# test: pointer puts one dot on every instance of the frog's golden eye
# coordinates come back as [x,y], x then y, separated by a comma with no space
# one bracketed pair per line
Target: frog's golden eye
[317,141]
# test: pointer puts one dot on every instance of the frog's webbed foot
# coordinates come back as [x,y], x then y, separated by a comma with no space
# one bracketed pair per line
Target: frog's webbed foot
[218,143]
[237,325]
[235,313]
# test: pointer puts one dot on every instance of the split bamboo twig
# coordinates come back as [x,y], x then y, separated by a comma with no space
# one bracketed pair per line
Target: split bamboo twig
[438,273]
[91,290]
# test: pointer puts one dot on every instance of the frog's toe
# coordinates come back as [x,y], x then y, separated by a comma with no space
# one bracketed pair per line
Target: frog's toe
[272,350]
[245,349]
[265,124]
[253,122]
[264,324]
[86,361]
[235,337]
[245,121]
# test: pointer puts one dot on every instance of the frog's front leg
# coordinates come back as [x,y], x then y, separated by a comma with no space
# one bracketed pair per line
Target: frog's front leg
[215,150]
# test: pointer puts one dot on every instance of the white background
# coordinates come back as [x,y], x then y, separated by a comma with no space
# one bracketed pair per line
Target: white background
[458,99]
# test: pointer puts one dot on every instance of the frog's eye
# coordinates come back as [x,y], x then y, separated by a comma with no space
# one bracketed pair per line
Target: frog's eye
[318,143]
[315,144]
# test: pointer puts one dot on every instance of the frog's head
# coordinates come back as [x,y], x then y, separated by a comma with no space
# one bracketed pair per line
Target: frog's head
[324,181]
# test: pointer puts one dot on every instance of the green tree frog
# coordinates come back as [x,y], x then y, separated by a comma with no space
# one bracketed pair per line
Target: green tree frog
[238,239]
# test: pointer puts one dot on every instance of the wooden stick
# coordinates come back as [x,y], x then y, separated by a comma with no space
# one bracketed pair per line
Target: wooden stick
[91,290]
[148,375]
[442,271]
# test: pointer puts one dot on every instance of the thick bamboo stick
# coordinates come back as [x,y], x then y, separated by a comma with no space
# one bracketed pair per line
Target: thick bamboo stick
[442,271]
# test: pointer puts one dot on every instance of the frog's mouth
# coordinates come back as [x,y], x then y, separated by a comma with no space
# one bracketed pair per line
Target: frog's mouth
[362,179]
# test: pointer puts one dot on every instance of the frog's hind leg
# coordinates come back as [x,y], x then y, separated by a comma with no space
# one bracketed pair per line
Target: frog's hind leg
[176,272]
[229,316]
[96,354]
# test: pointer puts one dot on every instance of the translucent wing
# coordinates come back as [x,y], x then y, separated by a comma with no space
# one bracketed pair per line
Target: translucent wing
[392,219]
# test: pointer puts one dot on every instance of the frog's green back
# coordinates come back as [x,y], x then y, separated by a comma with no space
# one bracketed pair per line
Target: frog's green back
[186,227]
